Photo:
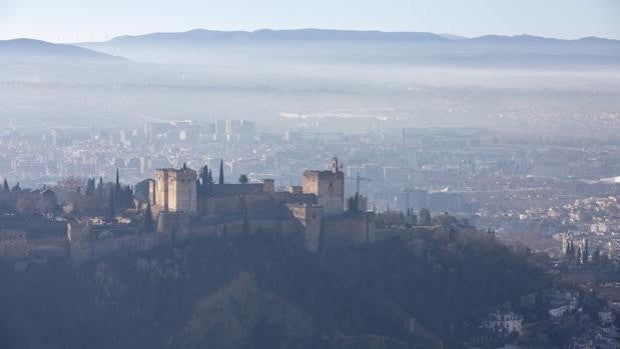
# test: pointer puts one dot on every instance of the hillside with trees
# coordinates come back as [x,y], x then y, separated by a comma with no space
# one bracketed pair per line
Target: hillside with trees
[428,289]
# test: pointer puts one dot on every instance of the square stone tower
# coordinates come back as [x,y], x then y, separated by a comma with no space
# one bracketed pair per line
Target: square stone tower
[175,190]
[328,186]
[310,218]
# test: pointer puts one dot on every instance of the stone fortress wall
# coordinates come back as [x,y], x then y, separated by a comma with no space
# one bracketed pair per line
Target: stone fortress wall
[84,246]
[312,213]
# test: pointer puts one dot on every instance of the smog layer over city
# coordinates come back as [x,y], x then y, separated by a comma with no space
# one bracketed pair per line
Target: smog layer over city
[310,174]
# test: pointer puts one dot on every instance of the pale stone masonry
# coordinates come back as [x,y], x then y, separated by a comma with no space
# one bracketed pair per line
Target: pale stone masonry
[175,190]
[328,186]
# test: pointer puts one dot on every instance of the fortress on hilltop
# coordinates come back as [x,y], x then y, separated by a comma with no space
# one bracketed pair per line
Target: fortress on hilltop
[313,212]
[182,204]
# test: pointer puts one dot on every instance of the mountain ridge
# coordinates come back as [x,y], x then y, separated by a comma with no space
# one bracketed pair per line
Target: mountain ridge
[32,48]
[326,45]
[286,34]
[338,34]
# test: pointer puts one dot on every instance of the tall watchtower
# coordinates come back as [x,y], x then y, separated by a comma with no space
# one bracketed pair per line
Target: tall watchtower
[175,190]
[328,186]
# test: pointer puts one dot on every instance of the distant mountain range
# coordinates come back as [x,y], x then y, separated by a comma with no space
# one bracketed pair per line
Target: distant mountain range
[29,48]
[290,34]
[376,47]
[334,46]
[352,35]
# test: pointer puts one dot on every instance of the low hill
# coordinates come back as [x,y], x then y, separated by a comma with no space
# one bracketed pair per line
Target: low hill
[28,48]
[429,289]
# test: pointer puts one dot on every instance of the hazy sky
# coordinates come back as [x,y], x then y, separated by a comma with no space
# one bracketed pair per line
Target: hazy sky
[85,20]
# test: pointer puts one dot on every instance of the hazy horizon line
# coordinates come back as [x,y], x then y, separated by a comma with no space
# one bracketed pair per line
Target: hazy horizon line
[442,34]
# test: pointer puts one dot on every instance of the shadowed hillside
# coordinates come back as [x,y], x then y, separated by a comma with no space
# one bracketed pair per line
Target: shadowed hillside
[261,293]
[28,48]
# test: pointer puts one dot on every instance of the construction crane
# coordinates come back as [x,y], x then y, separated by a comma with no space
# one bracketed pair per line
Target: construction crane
[357,179]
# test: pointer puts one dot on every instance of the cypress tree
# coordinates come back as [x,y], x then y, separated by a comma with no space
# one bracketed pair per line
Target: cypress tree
[129,197]
[204,180]
[111,208]
[204,173]
[425,217]
[210,178]
[353,203]
[221,179]
[149,222]
[90,186]
[6,186]
[118,181]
